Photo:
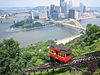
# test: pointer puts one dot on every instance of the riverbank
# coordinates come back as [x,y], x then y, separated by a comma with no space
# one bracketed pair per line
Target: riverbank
[27,29]
[27,37]
[66,40]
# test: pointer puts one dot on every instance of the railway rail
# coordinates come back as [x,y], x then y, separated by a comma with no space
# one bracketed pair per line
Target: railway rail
[77,61]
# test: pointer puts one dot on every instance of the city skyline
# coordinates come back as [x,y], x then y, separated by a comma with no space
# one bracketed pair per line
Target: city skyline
[34,3]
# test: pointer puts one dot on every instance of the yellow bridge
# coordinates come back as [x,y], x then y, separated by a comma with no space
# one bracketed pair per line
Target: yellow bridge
[70,22]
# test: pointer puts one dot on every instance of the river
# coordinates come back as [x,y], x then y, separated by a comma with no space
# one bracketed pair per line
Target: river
[90,21]
[49,33]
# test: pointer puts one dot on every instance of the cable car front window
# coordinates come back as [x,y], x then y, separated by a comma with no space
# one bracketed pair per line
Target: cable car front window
[62,55]
[52,51]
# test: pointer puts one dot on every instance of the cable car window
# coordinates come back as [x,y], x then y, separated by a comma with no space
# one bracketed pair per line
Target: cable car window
[59,54]
[62,55]
[52,51]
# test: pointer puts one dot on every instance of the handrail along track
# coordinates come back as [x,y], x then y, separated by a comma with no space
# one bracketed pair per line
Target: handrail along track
[83,59]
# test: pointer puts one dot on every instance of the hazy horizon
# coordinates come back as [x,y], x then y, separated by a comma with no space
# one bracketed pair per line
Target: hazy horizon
[35,3]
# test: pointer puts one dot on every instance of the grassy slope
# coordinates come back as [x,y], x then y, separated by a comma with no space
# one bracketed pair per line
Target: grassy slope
[38,54]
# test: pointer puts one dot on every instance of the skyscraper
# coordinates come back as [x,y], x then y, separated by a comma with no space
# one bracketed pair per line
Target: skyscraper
[62,5]
[57,8]
[66,5]
[82,8]
[53,12]
[64,8]
[61,2]
[52,8]
[48,12]
[32,15]
[71,13]
[70,4]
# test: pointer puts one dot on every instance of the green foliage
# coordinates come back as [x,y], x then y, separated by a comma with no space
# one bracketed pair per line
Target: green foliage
[37,24]
[28,23]
[39,61]
[92,33]
[9,57]
[86,43]
[86,73]
[92,29]
[18,24]
[13,58]
[36,54]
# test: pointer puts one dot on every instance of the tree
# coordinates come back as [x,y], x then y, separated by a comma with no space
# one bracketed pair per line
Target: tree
[92,33]
[37,24]
[9,57]
[92,29]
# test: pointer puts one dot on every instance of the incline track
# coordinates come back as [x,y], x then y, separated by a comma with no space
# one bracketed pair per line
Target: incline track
[83,59]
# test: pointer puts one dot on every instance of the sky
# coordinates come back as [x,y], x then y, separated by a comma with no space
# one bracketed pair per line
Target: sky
[34,3]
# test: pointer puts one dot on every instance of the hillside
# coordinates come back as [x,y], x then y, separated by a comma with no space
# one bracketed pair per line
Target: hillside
[13,58]
[88,42]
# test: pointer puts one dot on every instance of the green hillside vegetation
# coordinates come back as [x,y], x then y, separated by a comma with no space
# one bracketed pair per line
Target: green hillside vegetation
[89,42]
[13,58]
[28,23]
[10,63]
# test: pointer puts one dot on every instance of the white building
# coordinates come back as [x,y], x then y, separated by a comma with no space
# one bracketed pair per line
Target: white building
[77,15]
[3,16]
[40,15]
[32,15]
[61,15]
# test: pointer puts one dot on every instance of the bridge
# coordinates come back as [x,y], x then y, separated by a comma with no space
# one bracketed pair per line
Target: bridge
[71,23]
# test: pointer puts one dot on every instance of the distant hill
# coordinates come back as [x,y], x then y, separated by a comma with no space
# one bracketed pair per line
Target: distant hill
[2,12]
[40,8]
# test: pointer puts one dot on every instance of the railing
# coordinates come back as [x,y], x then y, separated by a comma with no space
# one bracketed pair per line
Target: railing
[78,61]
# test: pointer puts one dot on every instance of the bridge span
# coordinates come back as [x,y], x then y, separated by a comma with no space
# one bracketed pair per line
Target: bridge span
[71,23]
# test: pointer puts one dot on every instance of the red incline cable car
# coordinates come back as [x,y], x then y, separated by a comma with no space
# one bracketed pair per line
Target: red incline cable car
[60,53]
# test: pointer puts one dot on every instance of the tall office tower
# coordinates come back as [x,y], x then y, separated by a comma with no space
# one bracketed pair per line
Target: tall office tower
[62,5]
[61,2]
[53,12]
[64,8]
[52,7]
[58,9]
[70,4]
[32,15]
[82,8]
[48,12]
[66,5]
[71,13]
